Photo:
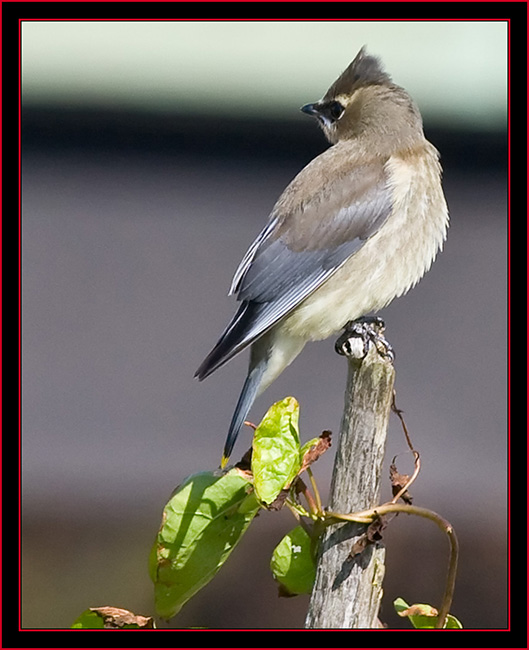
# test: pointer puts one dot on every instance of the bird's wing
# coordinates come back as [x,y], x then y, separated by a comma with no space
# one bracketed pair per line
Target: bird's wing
[299,250]
[314,228]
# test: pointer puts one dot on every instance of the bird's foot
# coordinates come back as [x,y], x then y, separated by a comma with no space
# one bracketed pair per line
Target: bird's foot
[359,334]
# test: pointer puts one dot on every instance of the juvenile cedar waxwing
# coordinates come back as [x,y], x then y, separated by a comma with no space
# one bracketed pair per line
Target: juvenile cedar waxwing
[357,227]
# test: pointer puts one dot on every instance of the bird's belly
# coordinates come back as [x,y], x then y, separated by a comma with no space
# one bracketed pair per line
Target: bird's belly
[387,265]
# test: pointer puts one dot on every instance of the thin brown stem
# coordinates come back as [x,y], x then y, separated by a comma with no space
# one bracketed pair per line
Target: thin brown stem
[316,491]
[366,516]
[398,412]
[301,488]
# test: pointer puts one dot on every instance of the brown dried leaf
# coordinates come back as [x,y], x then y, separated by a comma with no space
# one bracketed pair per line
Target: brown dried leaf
[372,535]
[398,481]
[375,528]
[245,464]
[115,618]
[279,501]
[299,486]
[419,610]
[317,450]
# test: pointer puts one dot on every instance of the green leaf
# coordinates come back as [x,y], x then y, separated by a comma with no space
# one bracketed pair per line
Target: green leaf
[423,616]
[293,564]
[276,456]
[202,523]
[452,623]
[89,620]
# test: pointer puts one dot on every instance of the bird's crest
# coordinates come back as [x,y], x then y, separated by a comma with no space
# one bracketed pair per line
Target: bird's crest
[364,70]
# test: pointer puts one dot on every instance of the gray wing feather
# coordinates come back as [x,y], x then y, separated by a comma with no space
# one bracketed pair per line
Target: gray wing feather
[250,254]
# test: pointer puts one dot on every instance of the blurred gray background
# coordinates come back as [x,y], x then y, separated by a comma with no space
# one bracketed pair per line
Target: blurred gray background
[152,155]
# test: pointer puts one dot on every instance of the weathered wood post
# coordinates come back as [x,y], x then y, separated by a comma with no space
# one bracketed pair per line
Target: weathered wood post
[348,589]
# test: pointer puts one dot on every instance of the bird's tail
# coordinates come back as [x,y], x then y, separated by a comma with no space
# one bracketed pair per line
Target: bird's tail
[246,399]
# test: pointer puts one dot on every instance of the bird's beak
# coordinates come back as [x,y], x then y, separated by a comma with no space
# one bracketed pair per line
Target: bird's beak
[310,109]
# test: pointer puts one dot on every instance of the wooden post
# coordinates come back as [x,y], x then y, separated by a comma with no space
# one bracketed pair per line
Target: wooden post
[348,589]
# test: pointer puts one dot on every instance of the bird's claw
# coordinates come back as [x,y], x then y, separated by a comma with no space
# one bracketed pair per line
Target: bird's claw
[359,334]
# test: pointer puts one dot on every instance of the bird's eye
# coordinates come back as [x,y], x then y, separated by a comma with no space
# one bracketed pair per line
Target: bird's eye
[336,110]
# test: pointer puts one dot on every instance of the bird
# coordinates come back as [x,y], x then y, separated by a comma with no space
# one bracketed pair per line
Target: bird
[358,226]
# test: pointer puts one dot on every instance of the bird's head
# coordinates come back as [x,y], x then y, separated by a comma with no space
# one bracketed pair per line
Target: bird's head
[364,100]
